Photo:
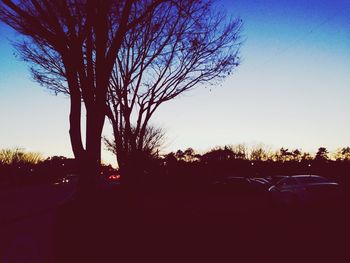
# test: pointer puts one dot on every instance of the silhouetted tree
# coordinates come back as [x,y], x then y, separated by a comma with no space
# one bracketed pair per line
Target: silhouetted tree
[322,154]
[218,154]
[180,155]
[180,45]
[258,153]
[285,154]
[306,156]
[342,154]
[170,158]
[282,155]
[19,156]
[73,46]
[153,141]
[240,151]
[296,154]
[190,155]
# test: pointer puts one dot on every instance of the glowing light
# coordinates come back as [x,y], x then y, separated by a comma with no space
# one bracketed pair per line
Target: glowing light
[114,177]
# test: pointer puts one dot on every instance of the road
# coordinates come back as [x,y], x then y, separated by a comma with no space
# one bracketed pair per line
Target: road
[27,219]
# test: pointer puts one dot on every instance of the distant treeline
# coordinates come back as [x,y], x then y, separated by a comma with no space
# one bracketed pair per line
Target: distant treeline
[258,161]
[259,153]
[18,166]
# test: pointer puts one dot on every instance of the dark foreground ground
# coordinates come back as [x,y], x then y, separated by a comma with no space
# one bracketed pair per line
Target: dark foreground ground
[198,227]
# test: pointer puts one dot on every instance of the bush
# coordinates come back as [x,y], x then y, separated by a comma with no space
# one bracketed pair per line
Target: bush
[19,156]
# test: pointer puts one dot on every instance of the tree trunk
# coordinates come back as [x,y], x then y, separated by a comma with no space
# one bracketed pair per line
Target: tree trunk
[131,166]
[91,160]
[79,152]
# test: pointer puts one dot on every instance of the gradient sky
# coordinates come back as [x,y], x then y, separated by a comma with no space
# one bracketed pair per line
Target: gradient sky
[292,88]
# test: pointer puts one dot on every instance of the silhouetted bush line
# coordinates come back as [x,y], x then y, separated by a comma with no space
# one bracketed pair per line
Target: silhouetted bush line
[187,169]
[23,171]
[43,171]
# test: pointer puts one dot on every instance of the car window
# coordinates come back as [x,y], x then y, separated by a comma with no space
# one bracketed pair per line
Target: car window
[313,180]
[287,181]
[275,179]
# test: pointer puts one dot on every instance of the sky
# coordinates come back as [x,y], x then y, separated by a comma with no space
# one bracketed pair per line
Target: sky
[291,90]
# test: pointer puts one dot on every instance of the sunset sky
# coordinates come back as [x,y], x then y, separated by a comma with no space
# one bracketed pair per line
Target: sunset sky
[292,88]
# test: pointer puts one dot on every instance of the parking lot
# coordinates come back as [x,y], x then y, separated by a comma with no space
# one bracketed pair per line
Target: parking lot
[235,218]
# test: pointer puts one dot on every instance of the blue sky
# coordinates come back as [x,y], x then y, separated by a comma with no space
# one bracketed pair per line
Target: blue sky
[292,88]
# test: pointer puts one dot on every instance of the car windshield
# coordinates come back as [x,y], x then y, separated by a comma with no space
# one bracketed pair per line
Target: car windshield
[274,179]
[287,181]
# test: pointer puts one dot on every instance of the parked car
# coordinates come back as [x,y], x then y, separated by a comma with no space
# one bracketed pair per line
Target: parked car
[68,179]
[305,189]
[275,178]
[109,181]
[231,186]
[114,179]
[260,181]
[241,186]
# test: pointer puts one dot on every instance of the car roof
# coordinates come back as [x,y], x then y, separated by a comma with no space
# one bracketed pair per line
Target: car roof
[235,177]
[298,176]
[306,175]
[318,179]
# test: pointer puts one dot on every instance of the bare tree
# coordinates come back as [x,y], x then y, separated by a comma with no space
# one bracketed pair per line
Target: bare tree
[73,46]
[153,142]
[260,152]
[19,156]
[180,45]
[240,150]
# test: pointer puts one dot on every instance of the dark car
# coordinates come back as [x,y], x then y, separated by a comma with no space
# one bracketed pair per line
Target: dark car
[305,189]
[68,179]
[275,178]
[232,185]
[241,186]
[260,181]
